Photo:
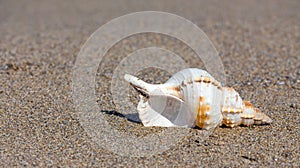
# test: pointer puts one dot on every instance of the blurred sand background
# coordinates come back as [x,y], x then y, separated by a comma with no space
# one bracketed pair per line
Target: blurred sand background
[258,42]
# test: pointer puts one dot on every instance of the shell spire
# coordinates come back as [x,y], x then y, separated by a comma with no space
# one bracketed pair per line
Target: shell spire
[253,115]
[236,112]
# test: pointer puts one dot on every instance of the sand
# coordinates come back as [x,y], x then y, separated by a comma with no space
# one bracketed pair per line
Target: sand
[259,45]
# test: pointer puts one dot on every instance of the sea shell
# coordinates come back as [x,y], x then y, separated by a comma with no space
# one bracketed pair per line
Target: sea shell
[192,97]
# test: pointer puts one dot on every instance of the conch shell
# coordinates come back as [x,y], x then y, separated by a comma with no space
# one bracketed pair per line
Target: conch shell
[192,97]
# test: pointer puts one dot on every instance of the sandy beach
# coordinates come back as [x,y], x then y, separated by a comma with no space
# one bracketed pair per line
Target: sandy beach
[257,41]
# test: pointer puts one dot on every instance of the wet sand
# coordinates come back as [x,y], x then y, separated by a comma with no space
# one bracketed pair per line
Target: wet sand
[258,42]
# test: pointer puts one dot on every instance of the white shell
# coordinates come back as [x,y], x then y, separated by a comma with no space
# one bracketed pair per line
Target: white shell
[193,97]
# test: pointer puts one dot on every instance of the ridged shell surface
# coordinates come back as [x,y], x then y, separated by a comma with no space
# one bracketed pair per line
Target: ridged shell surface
[203,94]
[193,97]
[232,107]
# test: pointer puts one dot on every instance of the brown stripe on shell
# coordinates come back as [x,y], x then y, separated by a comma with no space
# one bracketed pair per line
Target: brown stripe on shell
[229,89]
[218,85]
[206,80]
[215,83]
[187,81]
[247,116]
[231,110]
[201,79]
[176,88]
[202,117]
[230,123]
[225,120]
[175,91]
[198,79]
[248,104]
